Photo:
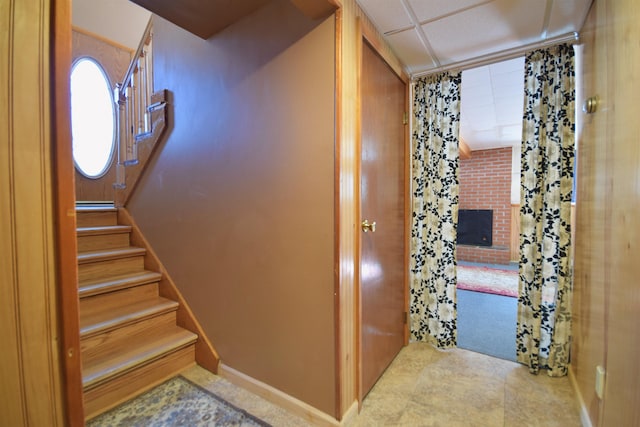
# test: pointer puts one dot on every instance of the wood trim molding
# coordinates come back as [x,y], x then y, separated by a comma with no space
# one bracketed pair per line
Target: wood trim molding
[584,413]
[465,151]
[31,360]
[340,352]
[371,35]
[277,397]
[407,209]
[102,39]
[65,214]
[206,355]
[357,202]
[514,246]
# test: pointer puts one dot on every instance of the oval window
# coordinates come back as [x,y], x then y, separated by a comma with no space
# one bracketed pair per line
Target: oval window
[92,118]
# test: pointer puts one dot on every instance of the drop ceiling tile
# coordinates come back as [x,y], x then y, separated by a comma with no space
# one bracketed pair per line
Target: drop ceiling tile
[429,10]
[387,15]
[410,50]
[508,113]
[490,28]
[483,140]
[507,82]
[508,66]
[567,16]
[480,118]
[476,76]
[512,133]
[476,96]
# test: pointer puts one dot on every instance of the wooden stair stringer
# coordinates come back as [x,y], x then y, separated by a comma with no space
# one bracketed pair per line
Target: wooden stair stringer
[206,355]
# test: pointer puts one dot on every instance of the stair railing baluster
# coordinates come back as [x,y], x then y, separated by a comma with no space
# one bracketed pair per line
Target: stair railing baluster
[133,97]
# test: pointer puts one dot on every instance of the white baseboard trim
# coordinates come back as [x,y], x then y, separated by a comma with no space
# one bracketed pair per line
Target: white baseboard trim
[584,414]
[275,396]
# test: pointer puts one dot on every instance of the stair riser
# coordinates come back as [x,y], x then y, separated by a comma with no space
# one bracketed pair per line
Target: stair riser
[103,241]
[96,219]
[95,270]
[110,394]
[107,343]
[118,298]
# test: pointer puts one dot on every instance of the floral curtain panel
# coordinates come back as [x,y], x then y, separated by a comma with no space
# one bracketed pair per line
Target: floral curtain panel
[436,123]
[544,305]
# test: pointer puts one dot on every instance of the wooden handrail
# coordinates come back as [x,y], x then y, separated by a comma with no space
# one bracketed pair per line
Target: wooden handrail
[134,59]
[133,97]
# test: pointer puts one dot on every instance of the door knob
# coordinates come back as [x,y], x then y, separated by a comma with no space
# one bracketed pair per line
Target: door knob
[366,226]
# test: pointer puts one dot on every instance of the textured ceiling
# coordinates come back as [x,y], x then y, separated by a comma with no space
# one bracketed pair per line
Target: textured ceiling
[431,35]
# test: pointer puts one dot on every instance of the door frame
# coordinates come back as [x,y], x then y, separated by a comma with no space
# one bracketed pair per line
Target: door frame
[367,33]
[65,214]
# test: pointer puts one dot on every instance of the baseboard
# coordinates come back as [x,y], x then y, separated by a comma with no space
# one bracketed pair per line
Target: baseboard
[350,415]
[584,414]
[277,397]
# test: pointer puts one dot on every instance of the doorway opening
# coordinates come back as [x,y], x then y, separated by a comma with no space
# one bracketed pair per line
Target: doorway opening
[487,250]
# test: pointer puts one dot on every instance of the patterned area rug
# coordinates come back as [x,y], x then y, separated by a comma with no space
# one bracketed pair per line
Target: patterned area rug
[488,280]
[177,402]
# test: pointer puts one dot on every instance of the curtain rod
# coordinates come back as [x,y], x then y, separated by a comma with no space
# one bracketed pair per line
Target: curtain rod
[502,55]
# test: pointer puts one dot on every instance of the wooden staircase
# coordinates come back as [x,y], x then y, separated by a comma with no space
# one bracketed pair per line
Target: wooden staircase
[129,338]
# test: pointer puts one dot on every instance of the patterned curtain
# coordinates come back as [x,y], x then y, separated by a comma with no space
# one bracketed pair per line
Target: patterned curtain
[544,306]
[436,123]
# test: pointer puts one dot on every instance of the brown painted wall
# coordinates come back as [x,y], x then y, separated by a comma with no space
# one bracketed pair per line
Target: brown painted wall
[606,289]
[238,203]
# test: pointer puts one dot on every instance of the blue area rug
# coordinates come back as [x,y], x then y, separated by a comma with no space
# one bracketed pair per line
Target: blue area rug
[487,324]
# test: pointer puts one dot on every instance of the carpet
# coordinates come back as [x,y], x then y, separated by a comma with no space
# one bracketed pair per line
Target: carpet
[177,402]
[487,323]
[488,280]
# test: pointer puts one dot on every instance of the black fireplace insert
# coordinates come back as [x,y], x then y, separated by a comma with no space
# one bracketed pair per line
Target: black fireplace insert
[475,227]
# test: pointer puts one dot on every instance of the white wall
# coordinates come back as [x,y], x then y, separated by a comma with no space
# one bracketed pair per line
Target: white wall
[118,20]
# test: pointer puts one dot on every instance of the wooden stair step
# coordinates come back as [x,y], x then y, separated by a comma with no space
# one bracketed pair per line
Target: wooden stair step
[93,287]
[109,317]
[103,229]
[93,215]
[135,353]
[110,394]
[109,254]
[102,237]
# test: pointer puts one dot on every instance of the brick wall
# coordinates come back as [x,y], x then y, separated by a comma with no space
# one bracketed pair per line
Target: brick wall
[485,183]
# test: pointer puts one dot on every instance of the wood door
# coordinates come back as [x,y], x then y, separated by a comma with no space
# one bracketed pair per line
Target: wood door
[382,190]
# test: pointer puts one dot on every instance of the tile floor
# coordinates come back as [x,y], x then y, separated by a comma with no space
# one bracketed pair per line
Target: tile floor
[429,387]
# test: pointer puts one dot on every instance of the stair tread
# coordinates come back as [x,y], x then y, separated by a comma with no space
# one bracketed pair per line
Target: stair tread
[106,254]
[113,283]
[104,229]
[137,352]
[108,317]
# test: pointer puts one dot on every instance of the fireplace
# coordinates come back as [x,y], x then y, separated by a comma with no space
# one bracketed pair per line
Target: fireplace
[475,227]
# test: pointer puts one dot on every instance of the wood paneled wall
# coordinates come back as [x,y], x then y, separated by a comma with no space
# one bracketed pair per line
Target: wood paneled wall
[30,374]
[606,290]
[115,60]
[514,245]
